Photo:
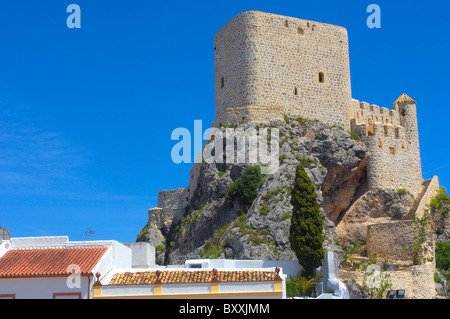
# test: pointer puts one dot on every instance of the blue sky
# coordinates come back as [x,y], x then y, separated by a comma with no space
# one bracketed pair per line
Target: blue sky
[86,114]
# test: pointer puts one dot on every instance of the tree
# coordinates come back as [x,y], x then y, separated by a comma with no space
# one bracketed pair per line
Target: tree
[306,231]
[245,188]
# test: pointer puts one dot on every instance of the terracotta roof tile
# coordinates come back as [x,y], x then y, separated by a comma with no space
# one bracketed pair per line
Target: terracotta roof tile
[190,276]
[49,261]
[404,98]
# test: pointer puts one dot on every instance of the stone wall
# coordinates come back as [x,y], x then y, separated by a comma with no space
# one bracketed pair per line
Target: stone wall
[391,241]
[433,186]
[268,65]
[169,208]
[417,281]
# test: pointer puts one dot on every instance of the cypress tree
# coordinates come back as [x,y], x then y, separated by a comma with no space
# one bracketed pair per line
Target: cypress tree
[306,231]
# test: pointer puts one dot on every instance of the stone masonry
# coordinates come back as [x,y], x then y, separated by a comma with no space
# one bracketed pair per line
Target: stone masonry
[268,65]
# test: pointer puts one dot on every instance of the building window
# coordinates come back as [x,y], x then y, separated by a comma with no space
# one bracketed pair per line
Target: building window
[300,31]
[321,77]
[286,24]
[222,82]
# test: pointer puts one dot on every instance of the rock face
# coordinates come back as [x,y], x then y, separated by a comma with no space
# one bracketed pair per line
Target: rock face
[209,226]
[373,207]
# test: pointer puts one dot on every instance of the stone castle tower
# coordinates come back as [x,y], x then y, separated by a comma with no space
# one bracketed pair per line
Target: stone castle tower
[268,65]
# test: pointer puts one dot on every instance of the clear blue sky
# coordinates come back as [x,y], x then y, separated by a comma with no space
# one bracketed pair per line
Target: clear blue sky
[86,114]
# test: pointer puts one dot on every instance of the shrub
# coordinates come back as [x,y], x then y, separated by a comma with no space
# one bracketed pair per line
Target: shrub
[245,188]
[402,191]
[440,198]
[305,161]
[441,203]
[443,255]
[305,234]
[355,136]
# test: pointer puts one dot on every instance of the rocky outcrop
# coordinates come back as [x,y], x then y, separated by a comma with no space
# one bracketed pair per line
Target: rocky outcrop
[210,226]
[373,207]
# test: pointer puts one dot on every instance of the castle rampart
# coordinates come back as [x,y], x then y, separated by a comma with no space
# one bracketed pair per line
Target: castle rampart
[268,65]
[392,139]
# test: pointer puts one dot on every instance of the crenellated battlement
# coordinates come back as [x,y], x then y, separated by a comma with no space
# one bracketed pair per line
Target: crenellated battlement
[364,112]
[392,139]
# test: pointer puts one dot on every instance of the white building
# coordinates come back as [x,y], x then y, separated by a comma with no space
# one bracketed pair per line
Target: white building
[54,267]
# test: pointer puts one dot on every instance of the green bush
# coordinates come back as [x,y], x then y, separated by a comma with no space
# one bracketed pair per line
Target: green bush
[306,231]
[443,255]
[441,204]
[440,198]
[245,188]
[402,191]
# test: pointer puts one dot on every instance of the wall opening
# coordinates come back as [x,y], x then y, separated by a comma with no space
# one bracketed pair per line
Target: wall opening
[222,82]
[321,77]
[385,131]
[295,91]
[397,133]
[370,130]
[286,24]
[392,150]
[300,31]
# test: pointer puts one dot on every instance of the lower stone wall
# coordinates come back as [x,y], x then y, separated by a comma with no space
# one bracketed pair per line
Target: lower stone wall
[391,241]
[417,281]
[433,186]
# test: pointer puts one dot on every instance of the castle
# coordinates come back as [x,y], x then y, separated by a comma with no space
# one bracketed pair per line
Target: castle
[268,65]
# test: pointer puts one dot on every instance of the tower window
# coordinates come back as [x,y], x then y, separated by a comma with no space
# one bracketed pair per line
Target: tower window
[321,77]
[222,82]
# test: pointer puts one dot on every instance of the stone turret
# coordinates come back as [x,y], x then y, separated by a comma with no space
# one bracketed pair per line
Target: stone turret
[393,143]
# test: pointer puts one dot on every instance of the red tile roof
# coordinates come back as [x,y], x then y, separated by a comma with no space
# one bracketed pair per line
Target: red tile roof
[49,261]
[404,98]
[191,276]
